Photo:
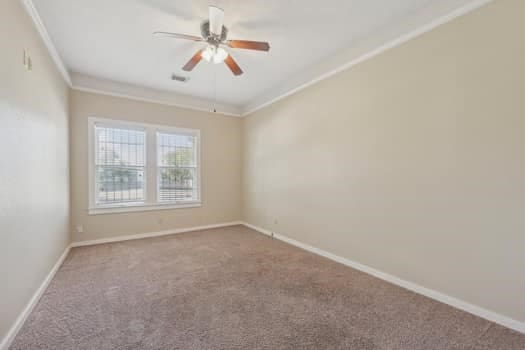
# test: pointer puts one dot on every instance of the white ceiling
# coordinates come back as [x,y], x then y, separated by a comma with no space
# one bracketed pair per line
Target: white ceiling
[111,39]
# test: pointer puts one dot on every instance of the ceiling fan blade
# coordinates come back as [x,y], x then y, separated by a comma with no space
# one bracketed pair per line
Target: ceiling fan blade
[193,61]
[177,36]
[234,67]
[216,20]
[249,45]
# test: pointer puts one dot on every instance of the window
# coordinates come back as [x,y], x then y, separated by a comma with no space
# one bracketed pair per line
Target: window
[177,167]
[120,165]
[136,167]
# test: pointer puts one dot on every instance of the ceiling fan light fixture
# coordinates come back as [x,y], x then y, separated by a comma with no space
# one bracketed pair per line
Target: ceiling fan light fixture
[208,53]
[220,55]
[214,54]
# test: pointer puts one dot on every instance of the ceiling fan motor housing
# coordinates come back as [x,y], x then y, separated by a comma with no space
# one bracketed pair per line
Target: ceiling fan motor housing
[211,38]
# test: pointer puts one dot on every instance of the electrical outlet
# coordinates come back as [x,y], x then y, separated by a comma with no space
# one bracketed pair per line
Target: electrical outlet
[275,222]
[80,229]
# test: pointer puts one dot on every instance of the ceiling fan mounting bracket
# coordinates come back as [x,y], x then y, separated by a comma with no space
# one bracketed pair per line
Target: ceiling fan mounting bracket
[212,38]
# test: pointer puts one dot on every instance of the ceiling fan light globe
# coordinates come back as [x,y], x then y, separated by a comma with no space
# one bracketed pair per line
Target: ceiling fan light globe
[220,55]
[208,53]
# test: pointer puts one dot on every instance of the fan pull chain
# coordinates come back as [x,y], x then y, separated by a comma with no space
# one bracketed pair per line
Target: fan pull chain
[215,90]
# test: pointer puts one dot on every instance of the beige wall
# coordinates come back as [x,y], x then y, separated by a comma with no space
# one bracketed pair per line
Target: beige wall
[34,172]
[220,163]
[412,162]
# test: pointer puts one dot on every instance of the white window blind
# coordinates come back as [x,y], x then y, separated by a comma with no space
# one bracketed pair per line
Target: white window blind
[138,166]
[177,167]
[120,160]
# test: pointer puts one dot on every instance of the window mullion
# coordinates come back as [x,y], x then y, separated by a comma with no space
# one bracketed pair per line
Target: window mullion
[151,166]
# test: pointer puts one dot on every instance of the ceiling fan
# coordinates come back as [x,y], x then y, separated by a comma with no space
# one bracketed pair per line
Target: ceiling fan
[215,35]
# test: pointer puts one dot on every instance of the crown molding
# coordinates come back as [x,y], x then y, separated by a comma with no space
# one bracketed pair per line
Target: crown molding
[390,37]
[82,82]
[39,25]
[107,87]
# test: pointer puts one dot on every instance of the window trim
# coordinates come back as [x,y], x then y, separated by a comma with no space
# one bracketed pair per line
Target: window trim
[151,201]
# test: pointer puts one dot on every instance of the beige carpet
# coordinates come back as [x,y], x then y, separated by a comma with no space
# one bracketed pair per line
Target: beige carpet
[233,288]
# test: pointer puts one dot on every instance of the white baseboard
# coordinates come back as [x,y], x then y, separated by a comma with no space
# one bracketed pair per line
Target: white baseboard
[433,294]
[153,234]
[11,334]
[459,304]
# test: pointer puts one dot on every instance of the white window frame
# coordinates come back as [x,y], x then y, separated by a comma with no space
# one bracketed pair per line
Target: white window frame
[151,201]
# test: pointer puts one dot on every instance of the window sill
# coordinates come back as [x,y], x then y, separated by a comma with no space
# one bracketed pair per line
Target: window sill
[141,207]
